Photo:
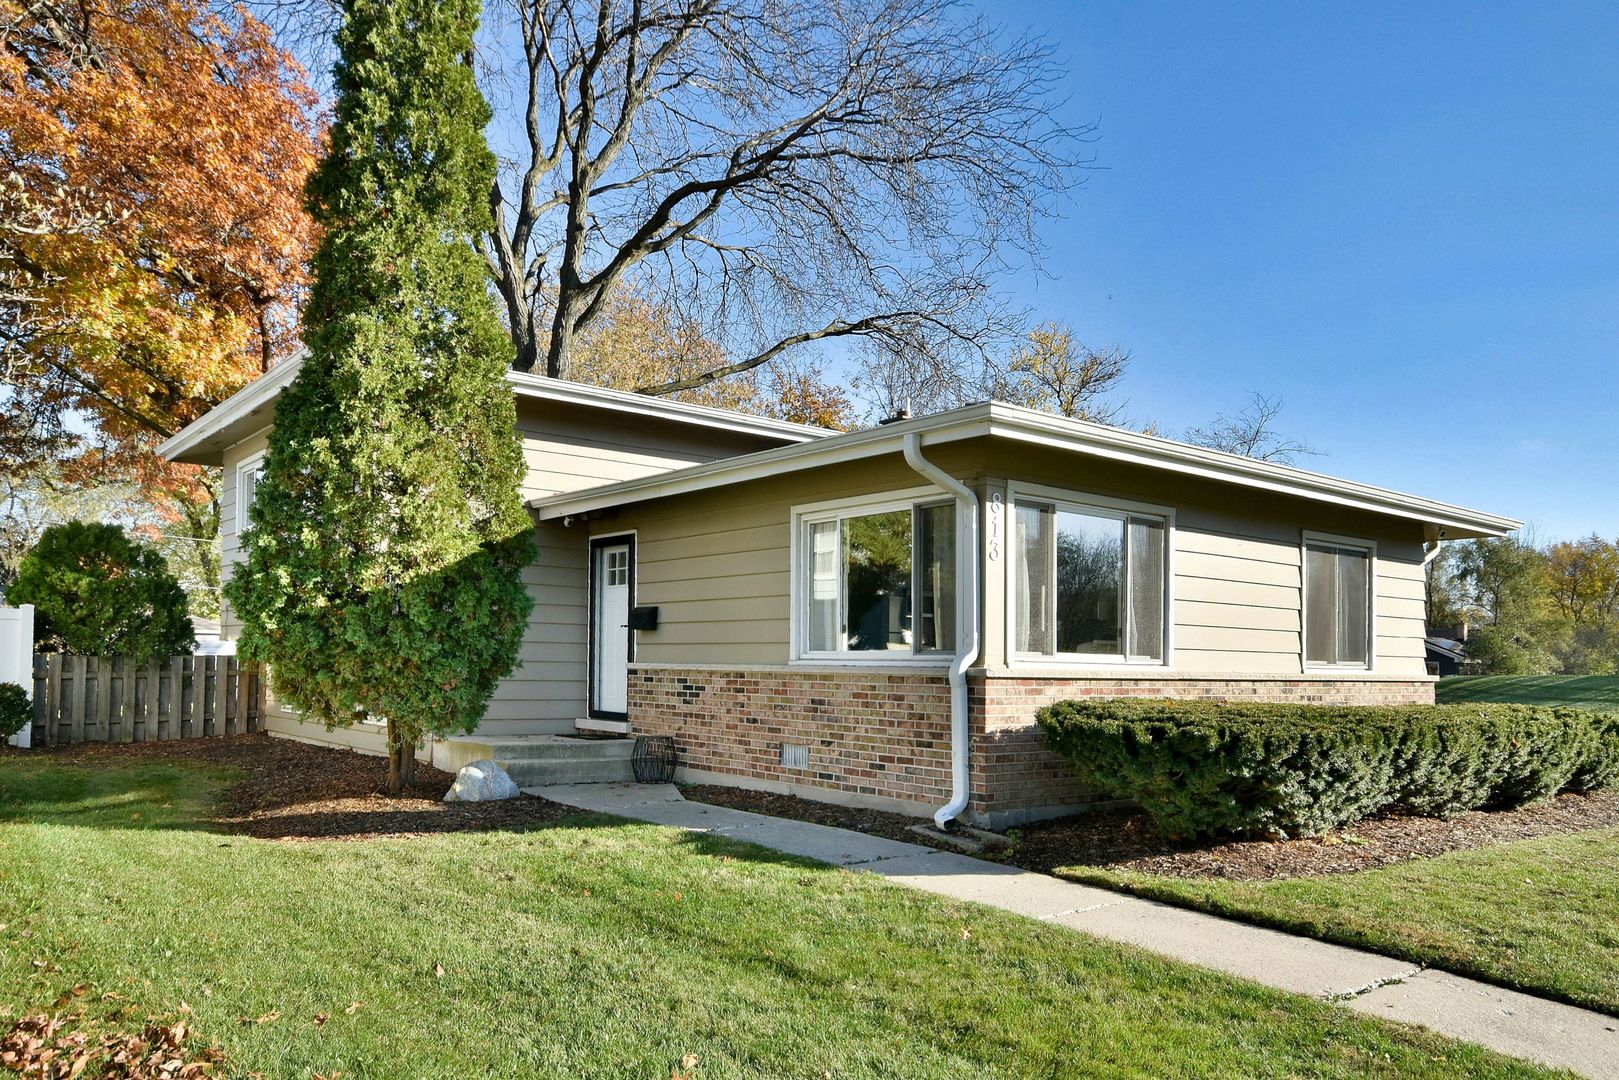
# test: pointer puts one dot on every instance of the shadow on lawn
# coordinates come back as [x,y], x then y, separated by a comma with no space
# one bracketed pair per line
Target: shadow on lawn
[247,785]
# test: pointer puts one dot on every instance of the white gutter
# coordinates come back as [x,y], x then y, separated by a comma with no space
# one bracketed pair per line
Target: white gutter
[1433,552]
[997,420]
[967,585]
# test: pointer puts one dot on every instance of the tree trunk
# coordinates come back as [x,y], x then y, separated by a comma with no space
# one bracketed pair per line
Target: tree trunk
[560,349]
[401,761]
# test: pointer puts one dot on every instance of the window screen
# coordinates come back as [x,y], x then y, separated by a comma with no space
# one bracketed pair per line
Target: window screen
[1337,605]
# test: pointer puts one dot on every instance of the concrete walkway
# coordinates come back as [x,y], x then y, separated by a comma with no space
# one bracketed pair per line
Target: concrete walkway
[1512,1023]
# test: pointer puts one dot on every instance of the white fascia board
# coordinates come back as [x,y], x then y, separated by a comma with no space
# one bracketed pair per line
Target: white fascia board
[263,391]
[1151,451]
[247,401]
[1031,426]
[598,397]
[968,423]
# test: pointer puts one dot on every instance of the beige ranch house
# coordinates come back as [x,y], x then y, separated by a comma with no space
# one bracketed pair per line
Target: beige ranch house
[874,617]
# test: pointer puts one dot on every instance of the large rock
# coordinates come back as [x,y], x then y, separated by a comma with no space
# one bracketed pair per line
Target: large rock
[482,781]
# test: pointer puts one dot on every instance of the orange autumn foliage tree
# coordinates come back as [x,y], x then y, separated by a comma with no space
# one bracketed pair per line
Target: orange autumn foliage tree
[153,240]
[639,344]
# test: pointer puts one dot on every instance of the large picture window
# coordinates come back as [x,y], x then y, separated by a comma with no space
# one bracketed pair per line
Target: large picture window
[1089,582]
[880,582]
[1337,604]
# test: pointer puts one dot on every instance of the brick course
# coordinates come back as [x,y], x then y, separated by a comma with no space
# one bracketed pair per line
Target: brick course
[887,735]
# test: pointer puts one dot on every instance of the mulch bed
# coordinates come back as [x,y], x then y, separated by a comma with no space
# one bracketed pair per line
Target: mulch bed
[1121,840]
[295,791]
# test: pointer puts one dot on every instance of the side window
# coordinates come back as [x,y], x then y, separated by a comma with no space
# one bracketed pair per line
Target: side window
[248,475]
[1337,604]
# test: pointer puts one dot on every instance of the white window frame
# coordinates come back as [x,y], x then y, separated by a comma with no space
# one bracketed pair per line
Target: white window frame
[1319,539]
[246,466]
[807,514]
[1085,503]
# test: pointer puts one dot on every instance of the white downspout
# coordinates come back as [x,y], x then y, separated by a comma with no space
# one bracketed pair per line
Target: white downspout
[1433,552]
[967,585]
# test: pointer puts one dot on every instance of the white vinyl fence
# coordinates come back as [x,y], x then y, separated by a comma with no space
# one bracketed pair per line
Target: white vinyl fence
[17,654]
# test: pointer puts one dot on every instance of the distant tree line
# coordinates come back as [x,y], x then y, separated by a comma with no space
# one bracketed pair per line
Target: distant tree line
[1531,609]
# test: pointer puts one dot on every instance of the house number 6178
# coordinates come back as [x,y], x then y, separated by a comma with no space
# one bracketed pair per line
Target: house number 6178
[997,503]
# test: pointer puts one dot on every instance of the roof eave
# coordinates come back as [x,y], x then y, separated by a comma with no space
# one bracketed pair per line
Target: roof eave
[194,443]
[549,389]
[1456,522]
[967,423]
[185,446]
[1028,425]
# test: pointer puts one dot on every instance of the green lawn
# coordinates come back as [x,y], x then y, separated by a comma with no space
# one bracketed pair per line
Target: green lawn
[598,948]
[1537,914]
[1586,691]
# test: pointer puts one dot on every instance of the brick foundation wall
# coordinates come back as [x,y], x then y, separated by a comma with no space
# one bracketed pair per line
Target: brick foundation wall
[1014,776]
[869,733]
[881,736]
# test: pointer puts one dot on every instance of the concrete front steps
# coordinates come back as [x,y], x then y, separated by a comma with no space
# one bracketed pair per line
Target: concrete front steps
[535,760]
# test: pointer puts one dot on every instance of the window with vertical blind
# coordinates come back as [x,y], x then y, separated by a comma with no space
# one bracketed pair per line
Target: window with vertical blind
[1337,603]
[877,581]
[1090,582]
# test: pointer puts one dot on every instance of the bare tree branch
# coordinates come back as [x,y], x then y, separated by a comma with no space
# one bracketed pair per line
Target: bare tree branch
[1251,433]
[778,173]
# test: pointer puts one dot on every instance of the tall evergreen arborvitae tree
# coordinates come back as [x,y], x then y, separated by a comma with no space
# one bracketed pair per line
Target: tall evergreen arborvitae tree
[382,572]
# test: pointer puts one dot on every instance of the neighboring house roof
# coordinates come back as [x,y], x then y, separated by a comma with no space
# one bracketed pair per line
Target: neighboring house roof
[249,411]
[1456,650]
[1000,420]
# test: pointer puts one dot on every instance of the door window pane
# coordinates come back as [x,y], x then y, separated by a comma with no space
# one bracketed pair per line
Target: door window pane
[877,581]
[1090,564]
[936,578]
[1033,549]
[1147,588]
[824,632]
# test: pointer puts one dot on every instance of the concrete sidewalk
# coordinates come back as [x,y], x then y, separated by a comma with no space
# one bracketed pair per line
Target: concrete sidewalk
[1522,1025]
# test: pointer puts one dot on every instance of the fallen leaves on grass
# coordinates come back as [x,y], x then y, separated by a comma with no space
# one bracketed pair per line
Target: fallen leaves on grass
[64,1047]
[686,1070]
[254,1021]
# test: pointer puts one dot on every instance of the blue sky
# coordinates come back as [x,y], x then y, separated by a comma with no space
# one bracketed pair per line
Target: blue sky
[1403,220]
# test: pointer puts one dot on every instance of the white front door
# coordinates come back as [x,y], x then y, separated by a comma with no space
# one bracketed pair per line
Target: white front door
[610,629]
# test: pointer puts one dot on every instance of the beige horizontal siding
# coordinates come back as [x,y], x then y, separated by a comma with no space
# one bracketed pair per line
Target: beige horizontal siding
[1190,613]
[1235,594]
[565,448]
[717,564]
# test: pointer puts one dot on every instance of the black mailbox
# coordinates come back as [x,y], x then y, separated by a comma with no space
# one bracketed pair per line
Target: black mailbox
[644,618]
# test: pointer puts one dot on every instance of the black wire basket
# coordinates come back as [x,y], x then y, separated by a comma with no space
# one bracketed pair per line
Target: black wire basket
[653,759]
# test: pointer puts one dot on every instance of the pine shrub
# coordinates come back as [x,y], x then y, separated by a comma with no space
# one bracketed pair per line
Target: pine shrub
[16,711]
[97,591]
[1206,768]
[383,570]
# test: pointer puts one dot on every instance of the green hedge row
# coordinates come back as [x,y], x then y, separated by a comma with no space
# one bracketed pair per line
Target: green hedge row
[1205,769]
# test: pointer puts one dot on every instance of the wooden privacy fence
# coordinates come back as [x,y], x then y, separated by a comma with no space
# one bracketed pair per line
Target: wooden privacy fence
[79,699]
